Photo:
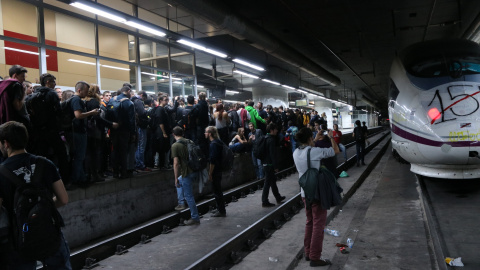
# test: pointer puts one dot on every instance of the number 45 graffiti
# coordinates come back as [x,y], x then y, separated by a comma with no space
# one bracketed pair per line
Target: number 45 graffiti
[435,113]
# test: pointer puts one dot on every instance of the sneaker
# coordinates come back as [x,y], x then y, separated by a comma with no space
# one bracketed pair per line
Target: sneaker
[218,214]
[268,204]
[280,199]
[192,222]
[180,207]
[321,262]
[146,169]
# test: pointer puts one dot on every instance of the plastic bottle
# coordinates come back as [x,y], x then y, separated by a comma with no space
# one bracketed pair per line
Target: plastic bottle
[272,259]
[332,232]
[349,243]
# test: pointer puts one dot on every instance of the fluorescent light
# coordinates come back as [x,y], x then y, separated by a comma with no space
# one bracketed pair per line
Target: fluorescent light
[23,51]
[127,69]
[236,60]
[232,92]
[150,92]
[98,12]
[289,87]
[232,101]
[131,42]
[200,47]
[301,91]
[177,82]
[272,82]
[219,54]
[292,102]
[191,44]
[145,28]
[245,73]
[176,79]
[153,78]
[200,86]
[82,62]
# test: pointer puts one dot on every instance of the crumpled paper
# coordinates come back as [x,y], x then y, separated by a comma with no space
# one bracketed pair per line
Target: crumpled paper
[454,261]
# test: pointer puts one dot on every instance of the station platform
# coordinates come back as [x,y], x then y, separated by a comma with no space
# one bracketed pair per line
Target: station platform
[185,245]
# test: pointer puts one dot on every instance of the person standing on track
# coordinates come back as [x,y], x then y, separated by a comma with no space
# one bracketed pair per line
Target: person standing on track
[215,169]
[316,215]
[270,166]
[184,176]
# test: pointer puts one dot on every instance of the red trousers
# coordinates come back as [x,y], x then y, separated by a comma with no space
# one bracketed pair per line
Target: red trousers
[314,231]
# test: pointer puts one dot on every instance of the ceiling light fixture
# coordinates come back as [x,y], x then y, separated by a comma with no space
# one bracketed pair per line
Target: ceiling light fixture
[23,51]
[272,82]
[232,92]
[177,82]
[202,48]
[114,67]
[82,62]
[288,87]
[245,73]
[145,28]
[98,12]
[245,63]
[200,86]
[301,91]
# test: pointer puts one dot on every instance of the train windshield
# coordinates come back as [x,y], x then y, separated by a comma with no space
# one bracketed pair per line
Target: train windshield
[453,67]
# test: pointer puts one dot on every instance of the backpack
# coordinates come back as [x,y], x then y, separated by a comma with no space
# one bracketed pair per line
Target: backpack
[113,109]
[227,156]
[152,119]
[38,108]
[65,119]
[359,136]
[260,147]
[234,120]
[196,159]
[320,186]
[36,222]
[186,120]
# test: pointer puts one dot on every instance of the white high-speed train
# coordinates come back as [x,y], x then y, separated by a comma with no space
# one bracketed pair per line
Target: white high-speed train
[434,108]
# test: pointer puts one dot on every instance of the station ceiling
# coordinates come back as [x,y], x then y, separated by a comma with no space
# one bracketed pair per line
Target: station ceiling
[345,46]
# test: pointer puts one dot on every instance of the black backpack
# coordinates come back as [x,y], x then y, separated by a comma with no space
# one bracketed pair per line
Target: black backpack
[260,147]
[227,156]
[36,222]
[187,118]
[359,136]
[65,119]
[234,120]
[196,159]
[113,109]
[38,108]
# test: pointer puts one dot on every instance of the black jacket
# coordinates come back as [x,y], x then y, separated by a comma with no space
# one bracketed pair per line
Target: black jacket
[271,157]
[44,115]
[202,107]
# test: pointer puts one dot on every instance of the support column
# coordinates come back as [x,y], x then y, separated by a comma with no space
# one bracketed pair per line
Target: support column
[274,96]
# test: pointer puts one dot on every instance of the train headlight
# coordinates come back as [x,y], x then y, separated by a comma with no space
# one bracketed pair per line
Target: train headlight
[434,114]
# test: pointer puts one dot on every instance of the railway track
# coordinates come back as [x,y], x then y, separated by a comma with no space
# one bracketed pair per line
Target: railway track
[228,253]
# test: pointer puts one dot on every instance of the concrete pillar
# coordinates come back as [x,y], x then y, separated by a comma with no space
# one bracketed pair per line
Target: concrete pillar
[275,96]
[324,106]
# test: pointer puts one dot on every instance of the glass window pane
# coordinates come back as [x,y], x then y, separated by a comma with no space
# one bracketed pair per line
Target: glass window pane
[153,54]
[152,18]
[181,61]
[19,20]
[155,81]
[69,33]
[113,75]
[12,53]
[73,68]
[115,44]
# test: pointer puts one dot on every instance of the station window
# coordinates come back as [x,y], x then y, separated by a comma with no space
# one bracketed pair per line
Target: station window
[19,20]
[152,17]
[12,53]
[153,54]
[116,44]
[113,75]
[73,68]
[154,81]
[68,32]
[181,61]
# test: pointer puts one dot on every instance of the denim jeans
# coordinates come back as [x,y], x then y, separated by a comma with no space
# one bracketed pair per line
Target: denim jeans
[360,151]
[180,196]
[343,149]
[80,149]
[187,185]
[237,147]
[58,261]
[140,153]
[257,163]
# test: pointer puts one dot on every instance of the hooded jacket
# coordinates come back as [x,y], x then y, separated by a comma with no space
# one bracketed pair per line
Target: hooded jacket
[254,116]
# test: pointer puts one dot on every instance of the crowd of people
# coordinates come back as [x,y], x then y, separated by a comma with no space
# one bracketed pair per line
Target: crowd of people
[89,135]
